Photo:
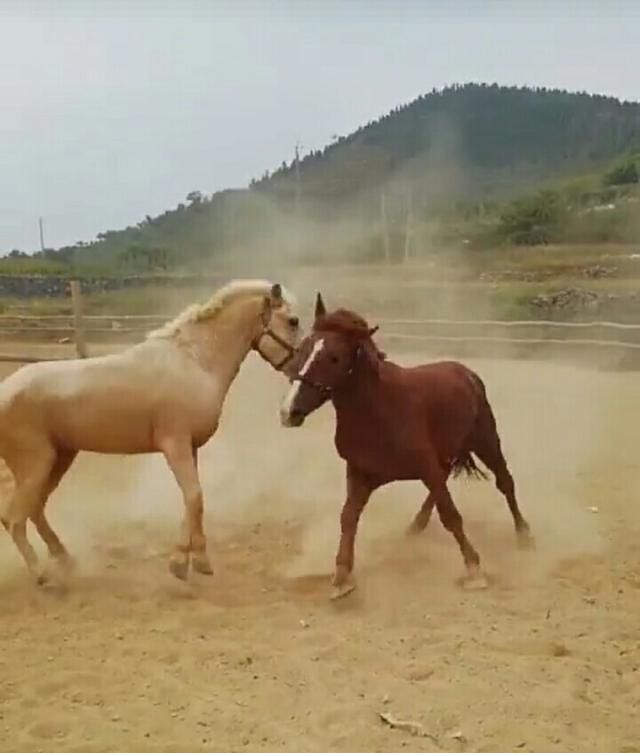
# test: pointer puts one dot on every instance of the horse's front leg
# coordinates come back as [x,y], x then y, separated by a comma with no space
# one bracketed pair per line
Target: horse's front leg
[359,488]
[199,557]
[181,458]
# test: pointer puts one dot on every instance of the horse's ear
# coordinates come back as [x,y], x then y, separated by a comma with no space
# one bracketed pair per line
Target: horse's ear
[320,307]
[276,292]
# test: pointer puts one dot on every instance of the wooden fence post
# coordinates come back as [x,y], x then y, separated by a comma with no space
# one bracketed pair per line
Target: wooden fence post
[78,329]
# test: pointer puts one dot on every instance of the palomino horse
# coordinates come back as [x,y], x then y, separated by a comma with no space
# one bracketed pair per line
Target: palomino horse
[396,423]
[162,395]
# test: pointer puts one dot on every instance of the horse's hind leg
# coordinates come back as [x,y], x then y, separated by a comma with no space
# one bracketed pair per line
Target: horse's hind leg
[56,548]
[423,516]
[30,490]
[486,445]
[18,532]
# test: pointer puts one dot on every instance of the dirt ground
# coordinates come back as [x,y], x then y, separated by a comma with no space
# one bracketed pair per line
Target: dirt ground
[125,659]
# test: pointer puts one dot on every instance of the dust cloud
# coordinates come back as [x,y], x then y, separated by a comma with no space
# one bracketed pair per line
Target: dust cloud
[555,627]
[255,472]
[550,416]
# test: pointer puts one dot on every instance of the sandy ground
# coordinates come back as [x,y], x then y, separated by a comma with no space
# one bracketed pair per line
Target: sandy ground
[125,659]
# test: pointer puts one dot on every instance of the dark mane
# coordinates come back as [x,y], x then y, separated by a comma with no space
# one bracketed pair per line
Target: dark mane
[350,324]
[344,322]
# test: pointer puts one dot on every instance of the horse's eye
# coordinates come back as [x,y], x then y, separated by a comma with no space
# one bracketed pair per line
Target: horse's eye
[334,359]
[294,322]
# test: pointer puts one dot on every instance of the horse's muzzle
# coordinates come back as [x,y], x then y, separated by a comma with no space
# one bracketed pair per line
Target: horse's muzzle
[292,419]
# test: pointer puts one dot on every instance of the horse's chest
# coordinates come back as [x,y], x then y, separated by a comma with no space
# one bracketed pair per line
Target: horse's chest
[196,412]
[205,422]
[379,447]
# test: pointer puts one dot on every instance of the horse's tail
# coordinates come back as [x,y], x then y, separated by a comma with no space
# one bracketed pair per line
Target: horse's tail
[465,463]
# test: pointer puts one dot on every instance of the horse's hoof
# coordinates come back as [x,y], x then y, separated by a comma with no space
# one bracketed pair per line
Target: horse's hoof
[475,583]
[66,564]
[201,564]
[179,569]
[525,540]
[42,579]
[340,590]
[474,580]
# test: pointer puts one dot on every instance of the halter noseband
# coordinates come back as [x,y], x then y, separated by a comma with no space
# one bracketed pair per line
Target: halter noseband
[268,332]
[325,390]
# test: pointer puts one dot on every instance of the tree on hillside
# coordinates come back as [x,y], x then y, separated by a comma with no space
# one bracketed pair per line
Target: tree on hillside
[194,197]
[532,220]
[467,143]
[622,174]
[141,258]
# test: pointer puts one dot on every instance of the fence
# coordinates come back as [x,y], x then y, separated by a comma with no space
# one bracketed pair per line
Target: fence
[75,328]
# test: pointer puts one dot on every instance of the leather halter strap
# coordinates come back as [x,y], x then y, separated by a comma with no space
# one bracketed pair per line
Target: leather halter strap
[268,332]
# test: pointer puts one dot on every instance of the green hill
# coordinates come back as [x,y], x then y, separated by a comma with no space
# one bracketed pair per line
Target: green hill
[464,146]
[499,138]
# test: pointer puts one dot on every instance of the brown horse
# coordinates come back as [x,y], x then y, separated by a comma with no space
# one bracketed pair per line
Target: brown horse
[393,423]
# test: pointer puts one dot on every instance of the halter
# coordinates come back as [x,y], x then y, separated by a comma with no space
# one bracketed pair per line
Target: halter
[268,332]
[324,389]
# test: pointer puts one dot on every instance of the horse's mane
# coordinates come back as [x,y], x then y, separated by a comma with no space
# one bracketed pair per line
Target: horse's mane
[350,324]
[199,312]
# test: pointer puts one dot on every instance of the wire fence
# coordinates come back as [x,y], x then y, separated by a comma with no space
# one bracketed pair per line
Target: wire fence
[76,328]
[65,332]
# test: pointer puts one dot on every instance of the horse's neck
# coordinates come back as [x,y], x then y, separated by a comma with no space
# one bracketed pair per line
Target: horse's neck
[359,420]
[221,345]
[366,426]
[359,398]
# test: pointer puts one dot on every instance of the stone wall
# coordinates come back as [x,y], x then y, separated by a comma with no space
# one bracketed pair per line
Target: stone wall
[23,286]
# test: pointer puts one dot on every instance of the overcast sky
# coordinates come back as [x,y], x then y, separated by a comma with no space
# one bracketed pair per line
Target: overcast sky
[113,110]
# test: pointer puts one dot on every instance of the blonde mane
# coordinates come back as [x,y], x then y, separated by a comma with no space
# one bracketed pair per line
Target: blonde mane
[199,312]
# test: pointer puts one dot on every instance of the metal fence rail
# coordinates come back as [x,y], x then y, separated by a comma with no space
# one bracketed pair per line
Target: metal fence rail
[76,326]
[160,319]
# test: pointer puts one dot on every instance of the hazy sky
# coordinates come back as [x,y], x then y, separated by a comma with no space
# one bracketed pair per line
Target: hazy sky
[113,110]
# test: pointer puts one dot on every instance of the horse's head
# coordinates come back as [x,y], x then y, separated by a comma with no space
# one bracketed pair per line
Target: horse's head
[278,333]
[325,360]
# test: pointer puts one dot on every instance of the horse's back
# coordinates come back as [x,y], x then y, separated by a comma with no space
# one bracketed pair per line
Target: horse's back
[19,383]
[447,399]
[103,404]
[443,380]
[46,379]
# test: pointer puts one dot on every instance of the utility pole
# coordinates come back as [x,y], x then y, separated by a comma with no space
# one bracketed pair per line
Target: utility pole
[385,228]
[409,228]
[297,173]
[40,225]
[297,224]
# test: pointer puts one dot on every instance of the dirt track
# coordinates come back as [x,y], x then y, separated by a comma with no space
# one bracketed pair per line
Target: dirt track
[256,658]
